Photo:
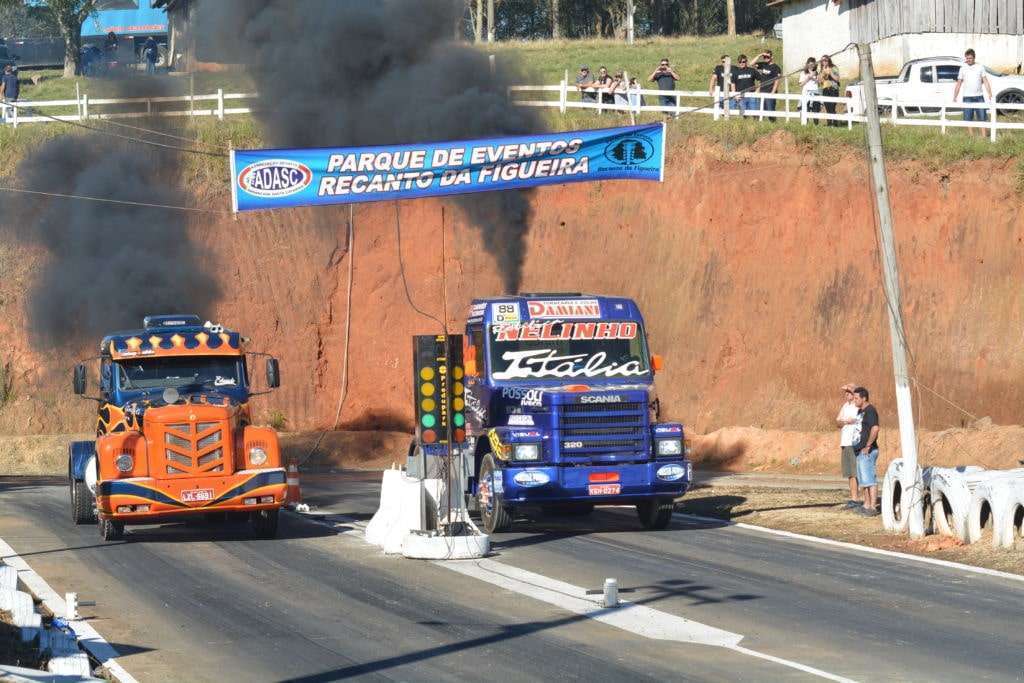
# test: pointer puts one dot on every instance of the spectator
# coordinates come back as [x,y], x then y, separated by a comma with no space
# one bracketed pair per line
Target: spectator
[151,53]
[9,89]
[585,84]
[867,450]
[828,80]
[771,74]
[717,79]
[603,85]
[744,81]
[973,81]
[848,420]
[809,87]
[666,79]
[636,98]
[618,90]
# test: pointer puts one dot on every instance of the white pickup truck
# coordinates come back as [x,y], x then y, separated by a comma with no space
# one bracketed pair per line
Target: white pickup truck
[932,80]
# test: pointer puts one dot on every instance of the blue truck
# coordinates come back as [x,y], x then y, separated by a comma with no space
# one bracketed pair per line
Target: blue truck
[561,410]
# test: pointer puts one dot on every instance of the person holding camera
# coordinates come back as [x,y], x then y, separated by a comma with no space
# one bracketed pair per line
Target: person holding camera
[666,79]
[828,81]
[809,87]
[771,74]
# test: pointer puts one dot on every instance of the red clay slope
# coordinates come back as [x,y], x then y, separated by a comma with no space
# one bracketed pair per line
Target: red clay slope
[757,270]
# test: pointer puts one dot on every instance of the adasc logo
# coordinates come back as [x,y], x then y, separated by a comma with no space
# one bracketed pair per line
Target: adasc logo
[275,178]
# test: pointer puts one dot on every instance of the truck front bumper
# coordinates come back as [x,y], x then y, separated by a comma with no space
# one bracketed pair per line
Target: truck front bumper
[635,482]
[142,500]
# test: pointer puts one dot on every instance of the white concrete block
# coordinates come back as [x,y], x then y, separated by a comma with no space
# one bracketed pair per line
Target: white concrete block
[8,578]
[71,665]
[402,509]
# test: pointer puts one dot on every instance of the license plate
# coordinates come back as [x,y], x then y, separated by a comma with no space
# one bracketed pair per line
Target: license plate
[604,489]
[196,495]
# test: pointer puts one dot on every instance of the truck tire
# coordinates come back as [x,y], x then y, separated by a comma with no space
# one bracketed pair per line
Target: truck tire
[264,523]
[111,530]
[569,510]
[655,514]
[83,503]
[493,513]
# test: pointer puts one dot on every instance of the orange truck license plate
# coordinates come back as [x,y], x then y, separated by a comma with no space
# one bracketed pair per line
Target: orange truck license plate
[604,489]
[196,495]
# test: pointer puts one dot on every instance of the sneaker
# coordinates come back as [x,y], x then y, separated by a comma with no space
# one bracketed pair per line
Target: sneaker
[867,513]
[853,505]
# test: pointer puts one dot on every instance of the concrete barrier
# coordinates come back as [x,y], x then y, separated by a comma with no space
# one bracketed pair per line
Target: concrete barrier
[404,504]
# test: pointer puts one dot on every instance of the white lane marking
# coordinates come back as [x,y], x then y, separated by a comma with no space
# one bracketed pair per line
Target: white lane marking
[856,547]
[88,636]
[637,619]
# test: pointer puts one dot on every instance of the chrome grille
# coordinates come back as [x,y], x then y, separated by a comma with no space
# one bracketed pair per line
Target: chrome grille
[194,449]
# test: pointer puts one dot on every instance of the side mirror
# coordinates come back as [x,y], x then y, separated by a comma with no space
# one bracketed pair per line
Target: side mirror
[469,365]
[79,381]
[273,373]
[657,362]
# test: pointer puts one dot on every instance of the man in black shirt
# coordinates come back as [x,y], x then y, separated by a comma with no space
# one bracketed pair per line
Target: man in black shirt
[8,91]
[744,81]
[867,450]
[666,79]
[771,74]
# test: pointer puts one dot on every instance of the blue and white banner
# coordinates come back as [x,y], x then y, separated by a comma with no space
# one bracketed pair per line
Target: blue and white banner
[276,178]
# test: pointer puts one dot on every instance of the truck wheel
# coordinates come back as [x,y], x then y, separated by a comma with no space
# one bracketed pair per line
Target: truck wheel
[493,513]
[111,530]
[569,510]
[264,523]
[655,514]
[83,503]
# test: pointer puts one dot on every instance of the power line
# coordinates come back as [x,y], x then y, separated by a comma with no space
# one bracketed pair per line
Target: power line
[111,201]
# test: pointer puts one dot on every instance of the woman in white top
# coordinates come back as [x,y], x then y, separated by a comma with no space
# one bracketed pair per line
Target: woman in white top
[636,100]
[809,87]
[618,89]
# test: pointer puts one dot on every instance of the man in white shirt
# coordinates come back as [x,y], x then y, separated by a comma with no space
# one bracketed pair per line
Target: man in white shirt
[973,81]
[848,420]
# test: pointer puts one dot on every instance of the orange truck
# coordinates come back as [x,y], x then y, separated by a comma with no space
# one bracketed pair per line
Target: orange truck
[174,434]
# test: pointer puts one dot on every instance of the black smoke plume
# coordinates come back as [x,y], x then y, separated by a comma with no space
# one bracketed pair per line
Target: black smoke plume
[361,72]
[107,265]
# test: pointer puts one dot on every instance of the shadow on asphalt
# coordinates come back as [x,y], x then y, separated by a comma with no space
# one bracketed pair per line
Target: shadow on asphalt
[506,632]
[724,506]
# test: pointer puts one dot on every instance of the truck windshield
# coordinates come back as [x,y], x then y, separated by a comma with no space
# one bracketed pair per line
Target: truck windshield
[607,349]
[200,371]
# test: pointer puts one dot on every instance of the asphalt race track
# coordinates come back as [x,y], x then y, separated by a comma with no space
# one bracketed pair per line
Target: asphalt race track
[708,602]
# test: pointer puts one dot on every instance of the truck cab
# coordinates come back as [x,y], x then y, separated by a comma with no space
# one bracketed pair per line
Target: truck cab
[561,410]
[173,432]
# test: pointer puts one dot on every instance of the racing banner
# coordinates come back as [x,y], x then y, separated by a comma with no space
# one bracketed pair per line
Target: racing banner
[277,178]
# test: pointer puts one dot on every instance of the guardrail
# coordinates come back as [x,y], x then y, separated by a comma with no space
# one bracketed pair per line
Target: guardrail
[29,111]
[787,106]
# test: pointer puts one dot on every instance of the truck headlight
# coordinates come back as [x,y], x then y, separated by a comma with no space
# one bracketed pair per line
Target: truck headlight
[668,447]
[257,456]
[526,451]
[124,462]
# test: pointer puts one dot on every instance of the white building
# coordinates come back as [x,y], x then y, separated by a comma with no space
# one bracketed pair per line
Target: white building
[901,30]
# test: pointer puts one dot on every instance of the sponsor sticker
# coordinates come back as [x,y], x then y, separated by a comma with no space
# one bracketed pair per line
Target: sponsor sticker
[196,495]
[544,363]
[520,420]
[505,312]
[561,309]
[563,331]
[604,489]
[275,178]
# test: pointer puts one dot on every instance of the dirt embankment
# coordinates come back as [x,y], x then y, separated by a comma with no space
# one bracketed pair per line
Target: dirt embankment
[757,270]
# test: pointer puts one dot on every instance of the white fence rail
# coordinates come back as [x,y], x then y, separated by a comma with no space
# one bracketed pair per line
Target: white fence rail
[787,106]
[32,111]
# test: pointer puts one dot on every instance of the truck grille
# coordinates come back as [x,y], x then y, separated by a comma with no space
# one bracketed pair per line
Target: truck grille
[192,449]
[604,429]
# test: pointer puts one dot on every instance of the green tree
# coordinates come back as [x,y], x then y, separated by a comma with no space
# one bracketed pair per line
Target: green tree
[68,16]
[18,20]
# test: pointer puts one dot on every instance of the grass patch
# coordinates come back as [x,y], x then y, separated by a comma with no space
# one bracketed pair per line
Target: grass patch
[278,421]
[51,86]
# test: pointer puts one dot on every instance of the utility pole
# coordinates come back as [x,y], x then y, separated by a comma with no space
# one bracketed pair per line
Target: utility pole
[556,30]
[629,21]
[478,26]
[490,21]
[730,17]
[912,497]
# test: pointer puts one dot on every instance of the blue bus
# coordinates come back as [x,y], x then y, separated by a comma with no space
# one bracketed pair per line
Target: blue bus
[132,22]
